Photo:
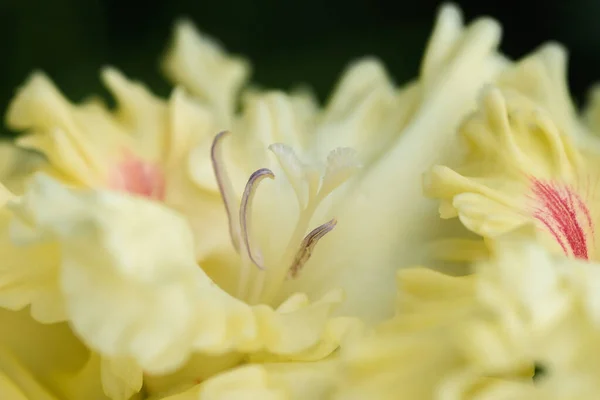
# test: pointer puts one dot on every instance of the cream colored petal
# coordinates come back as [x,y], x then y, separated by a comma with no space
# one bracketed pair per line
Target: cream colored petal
[65,133]
[9,390]
[29,277]
[16,382]
[542,77]
[513,149]
[357,82]
[471,385]
[199,368]
[294,169]
[16,164]
[201,66]
[190,394]
[420,287]
[375,243]
[267,119]
[102,379]
[447,32]
[273,381]
[191,185]
[458,249]
[204,212]
[141,114]
[121,377]
[247,383]
[406,361]
[29,271]
[84,383]
[364,112]
[413,351]
[192,130]
[36,355]
[123,299]
[133,288]
[592,111]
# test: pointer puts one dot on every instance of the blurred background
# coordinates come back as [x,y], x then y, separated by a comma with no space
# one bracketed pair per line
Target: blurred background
[289,42]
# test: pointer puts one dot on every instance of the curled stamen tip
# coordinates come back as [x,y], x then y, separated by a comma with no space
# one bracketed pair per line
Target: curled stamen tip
[307,246]
[214,148]
[249,191]
[225,188]
[259,175]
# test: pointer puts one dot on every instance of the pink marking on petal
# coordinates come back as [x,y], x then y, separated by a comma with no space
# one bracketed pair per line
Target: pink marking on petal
[136,176]
[562,211]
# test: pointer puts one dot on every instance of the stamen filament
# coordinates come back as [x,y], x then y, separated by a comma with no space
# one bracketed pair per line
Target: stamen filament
[278,275]
[225,188]
[245,214]
[307,246]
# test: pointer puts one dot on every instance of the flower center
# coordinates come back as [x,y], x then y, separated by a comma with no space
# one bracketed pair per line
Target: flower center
[310,187]
[565,215]
[136,176]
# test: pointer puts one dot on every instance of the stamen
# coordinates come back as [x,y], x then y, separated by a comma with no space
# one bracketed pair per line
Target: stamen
[308,245]
[225,188]
[245,215]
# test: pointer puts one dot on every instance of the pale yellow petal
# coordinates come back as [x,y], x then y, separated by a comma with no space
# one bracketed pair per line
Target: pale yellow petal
[364,112]
[36,355]
[9,390]
[16,380]
[141,115]
[133,288]
[62,131]
[16,164]
[191,185]
[366,268]
[198,368]
[29,272]
[513,150]
[542,77]
[202,67]
[421,288]
[84,383]
[192,131]
[121,377]
[273,381]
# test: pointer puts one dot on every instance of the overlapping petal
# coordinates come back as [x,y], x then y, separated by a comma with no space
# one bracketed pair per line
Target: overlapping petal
[133,288]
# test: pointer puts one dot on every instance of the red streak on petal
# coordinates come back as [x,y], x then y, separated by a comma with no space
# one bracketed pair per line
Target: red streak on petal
[136,176]
[560,210]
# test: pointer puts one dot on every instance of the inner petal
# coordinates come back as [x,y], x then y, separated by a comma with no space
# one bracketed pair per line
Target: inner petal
[136,176]
[562,211]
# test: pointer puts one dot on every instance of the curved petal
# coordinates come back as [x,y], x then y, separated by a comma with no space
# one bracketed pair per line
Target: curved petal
[374,243]
[29,271]
[365,112]
[520,169]
[192,188]
[414,351]
[16,164]
[16,382]
[202,67]
[142,115]
[67,135]
[133,288]
[36,355]
[280,381]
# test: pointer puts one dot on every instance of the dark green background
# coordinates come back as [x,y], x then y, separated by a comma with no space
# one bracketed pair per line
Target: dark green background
[288,42]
